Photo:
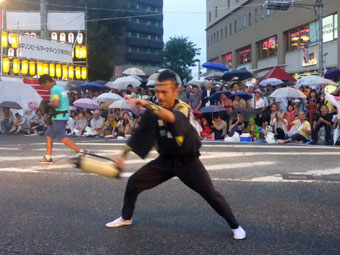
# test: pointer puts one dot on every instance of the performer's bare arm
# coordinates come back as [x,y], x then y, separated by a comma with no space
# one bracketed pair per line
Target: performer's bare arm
[161,112]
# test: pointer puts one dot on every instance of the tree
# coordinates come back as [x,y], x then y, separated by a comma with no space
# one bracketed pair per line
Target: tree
[179,55]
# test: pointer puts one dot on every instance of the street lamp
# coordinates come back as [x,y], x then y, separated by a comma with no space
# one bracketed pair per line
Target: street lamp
[284,5]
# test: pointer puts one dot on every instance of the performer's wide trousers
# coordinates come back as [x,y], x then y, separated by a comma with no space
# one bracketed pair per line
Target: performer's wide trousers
[191,172]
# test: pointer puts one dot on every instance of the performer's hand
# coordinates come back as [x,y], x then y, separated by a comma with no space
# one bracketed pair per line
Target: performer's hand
[136,102]
[120,162]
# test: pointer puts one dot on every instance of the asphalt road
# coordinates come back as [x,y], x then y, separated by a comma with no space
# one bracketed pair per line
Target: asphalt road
[286,197]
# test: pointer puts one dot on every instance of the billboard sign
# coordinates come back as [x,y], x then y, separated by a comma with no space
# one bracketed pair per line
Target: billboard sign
[35,48]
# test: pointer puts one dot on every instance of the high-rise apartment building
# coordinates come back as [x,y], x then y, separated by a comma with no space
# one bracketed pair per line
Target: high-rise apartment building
[142,40]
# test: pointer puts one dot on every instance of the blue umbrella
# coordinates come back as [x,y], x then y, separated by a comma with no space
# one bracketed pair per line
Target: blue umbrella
[91,86]
[241,74]
[216,96]
[243,95]
[333,74]
[215,66]
[212,108]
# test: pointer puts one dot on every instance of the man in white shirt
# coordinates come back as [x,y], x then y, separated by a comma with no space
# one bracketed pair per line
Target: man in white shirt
[97,123]
[257,102]
[207,93]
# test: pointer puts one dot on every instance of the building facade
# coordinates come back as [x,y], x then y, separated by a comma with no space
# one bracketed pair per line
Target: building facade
[243,33]
[142,40]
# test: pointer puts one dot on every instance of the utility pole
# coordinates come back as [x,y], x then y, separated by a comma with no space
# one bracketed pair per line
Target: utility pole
[43,19]
[199,69]
[319,4]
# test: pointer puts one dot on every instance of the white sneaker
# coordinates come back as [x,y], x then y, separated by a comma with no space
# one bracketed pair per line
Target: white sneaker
[239,233]
[118,223]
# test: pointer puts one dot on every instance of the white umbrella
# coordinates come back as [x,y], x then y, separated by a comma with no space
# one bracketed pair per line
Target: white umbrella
[271,81]
[313,81]
[288,93]
[134,71]
[109,97]
[151,83]
[135,77]
[122,83]
[23,94]
[216,75]
[154,77]
[120,104]
[198,83]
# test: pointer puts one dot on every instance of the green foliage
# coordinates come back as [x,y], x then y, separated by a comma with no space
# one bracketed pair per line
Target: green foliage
[179,55]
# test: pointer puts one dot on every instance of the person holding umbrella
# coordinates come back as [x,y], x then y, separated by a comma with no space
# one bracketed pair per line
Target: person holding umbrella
[59,100]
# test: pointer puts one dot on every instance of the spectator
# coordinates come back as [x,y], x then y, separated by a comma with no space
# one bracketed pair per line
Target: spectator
[109,126]
[237,125]
[137,122]
[206,132]
[290,116]
[279,124]
[69,125]
[312,106]
[97,123]
[37,123]
[88,117]
[130,91]
[253,130]
[207,93]
[239,103]
[6,120]
[324,119]
[297,106]
[182,94]
[257,103]
[234,88]
[124,126]
[80,125]
[197,124]
[226,102]
[20,125]
[218,127]
[303,129]
[195,98]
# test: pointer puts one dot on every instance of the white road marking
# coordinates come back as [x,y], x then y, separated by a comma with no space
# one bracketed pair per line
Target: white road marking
[239,165]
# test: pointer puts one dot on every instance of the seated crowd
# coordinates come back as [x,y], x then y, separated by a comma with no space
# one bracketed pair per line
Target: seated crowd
[248,110]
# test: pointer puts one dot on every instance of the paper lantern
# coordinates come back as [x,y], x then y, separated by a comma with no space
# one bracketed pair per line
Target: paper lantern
[45,68]
[5,67]
[14,40]
[71,72]
[16,65]
[80,38]
[78,73]
[4,39]
[52,69]
[32,68]
[24,67]
[84,73]
[84,52]
[40,68]
[78,51]
[58,70]
[65,71]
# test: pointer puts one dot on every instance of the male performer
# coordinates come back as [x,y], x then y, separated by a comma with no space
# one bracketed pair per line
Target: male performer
[58,100]
[167,126]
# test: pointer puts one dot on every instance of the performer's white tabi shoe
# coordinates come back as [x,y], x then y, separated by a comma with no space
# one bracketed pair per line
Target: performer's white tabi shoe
[118,223]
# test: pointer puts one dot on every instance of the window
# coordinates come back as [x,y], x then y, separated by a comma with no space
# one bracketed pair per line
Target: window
[249,19]
[226,31]
[240,23]
[216,12]
[262,12]
[209,16]
[244,21]
[214,38]
[221,34]
[208,41]
[226,59]
[244,55]
[218,35]
[228,3]
[230,29]
[268,12]
[268,47]
[235,26]
[298,38]
[255,15]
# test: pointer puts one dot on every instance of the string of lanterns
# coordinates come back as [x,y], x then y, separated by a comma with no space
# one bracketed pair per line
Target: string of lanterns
[31,67]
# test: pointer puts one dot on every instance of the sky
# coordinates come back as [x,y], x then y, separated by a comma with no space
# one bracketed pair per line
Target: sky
[186,18]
